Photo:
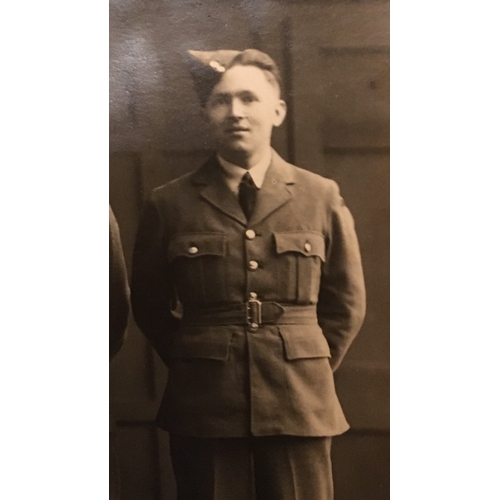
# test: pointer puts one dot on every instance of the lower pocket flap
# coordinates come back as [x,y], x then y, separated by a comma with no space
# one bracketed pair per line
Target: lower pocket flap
[303,342]
[203,345]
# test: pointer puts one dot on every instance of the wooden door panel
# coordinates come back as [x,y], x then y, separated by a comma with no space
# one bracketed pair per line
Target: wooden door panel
[340,78]
[361,466]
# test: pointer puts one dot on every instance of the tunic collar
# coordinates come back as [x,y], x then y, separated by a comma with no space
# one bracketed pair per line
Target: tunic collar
[276,189]
[234,173]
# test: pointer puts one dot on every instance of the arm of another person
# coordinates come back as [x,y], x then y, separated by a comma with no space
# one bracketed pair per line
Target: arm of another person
[342,300]
[119,306]
[152,292]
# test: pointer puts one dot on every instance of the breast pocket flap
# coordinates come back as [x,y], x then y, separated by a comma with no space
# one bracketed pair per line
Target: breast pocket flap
[304,342]
[192,245]
[305,242]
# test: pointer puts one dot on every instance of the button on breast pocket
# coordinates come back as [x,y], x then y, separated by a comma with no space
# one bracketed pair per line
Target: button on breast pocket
[300,254]
[198,261]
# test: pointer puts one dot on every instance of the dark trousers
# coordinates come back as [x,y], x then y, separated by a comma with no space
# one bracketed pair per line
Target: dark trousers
[262,468]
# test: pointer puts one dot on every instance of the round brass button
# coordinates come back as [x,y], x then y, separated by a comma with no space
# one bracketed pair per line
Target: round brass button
[192,250]
[307,247]
[250,234]
[253,265]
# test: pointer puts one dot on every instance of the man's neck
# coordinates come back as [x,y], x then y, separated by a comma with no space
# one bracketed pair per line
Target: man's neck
[244,160]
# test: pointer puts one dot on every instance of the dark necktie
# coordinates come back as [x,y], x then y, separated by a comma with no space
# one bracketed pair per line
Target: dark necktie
[247,194]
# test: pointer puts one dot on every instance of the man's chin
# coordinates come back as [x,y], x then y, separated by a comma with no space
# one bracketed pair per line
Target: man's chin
[236,146]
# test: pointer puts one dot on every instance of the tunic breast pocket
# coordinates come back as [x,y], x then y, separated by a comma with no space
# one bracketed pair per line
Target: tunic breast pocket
[300,255]
[198,264]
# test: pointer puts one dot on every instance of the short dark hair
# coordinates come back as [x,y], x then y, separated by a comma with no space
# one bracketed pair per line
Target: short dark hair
[254,57]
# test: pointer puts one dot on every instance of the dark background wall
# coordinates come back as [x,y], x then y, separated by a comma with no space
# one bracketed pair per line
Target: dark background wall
[335,62]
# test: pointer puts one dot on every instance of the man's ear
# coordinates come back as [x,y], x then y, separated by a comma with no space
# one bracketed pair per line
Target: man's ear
[280,113]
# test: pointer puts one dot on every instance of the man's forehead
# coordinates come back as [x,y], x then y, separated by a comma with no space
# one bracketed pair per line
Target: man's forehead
[241,78]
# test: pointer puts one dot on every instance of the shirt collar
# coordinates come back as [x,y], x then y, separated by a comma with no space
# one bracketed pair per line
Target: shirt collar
[234,173]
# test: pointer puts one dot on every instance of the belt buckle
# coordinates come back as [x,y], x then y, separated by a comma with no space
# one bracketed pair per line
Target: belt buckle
[254,314]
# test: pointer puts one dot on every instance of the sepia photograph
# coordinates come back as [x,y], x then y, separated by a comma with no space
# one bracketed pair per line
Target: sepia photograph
[249,249]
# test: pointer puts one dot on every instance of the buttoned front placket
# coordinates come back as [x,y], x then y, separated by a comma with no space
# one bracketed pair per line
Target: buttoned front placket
[253,250]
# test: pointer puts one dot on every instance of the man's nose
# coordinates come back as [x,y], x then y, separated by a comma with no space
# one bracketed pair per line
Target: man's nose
[236,109]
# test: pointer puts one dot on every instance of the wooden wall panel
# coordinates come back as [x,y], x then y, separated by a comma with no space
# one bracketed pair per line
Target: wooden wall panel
[364,392]
[355,88]
[339,77]
[160,167]
[361,466]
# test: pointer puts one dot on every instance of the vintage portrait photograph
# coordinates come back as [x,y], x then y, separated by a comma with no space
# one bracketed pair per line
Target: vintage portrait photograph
[249,249]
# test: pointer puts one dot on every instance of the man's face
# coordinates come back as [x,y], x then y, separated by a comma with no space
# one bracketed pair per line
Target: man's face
[243,109]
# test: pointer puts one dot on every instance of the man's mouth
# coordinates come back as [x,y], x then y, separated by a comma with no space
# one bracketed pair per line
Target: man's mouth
[232,130]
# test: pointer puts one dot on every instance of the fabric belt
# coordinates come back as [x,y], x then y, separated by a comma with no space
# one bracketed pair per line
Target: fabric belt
[252,314]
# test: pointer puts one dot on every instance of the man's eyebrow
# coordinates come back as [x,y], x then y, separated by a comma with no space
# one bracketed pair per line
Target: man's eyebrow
[236,92]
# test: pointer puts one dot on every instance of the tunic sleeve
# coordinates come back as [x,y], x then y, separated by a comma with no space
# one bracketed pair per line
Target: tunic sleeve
[152,292]
[342,301]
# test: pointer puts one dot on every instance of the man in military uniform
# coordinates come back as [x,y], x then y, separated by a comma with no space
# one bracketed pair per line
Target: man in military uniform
[264,259]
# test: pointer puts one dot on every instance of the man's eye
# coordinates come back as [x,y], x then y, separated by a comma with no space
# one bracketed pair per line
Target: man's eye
[248,98]
[219,101]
